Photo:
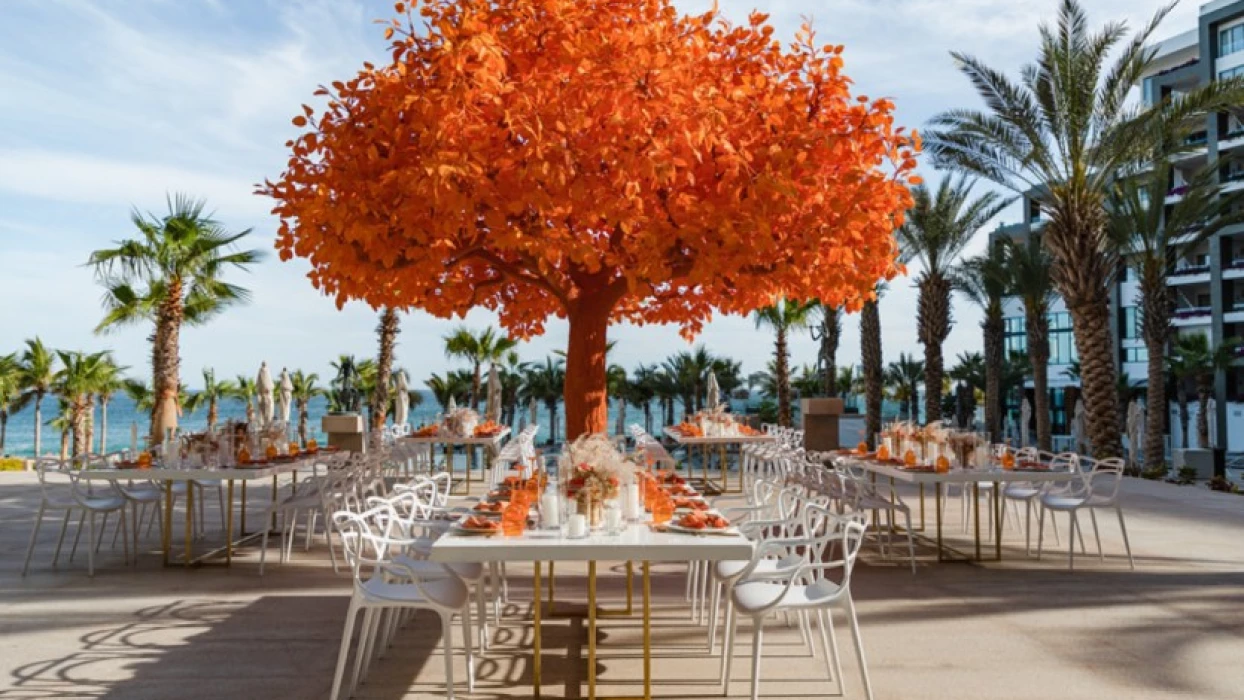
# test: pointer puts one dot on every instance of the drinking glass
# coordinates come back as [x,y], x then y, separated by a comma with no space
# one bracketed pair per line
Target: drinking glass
[662,509]
[514,518]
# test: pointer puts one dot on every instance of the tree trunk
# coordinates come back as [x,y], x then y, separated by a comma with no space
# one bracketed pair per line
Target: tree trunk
[1038,330]
[783,378]
[1095,344]
[103,426]
[166,380]
[388,331]
[81,439]
[933,325]
[1181,395]
[38,424]
[870,354]
[831,335]
[64,445]
[475,382]
[213,413]
[552,422]
[994,340]
[4,429]
[1205,389]
[587,408]
[1156,302]
[1155,401]
[648,417]
[302,423]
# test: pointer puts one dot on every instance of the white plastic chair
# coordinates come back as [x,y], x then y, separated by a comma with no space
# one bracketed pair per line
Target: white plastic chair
[62,488]
[1097,489]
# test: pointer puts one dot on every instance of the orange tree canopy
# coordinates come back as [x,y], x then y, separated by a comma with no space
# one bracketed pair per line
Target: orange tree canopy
[598,160]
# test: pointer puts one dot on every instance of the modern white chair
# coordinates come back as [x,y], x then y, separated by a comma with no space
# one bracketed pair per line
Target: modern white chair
[384,586]
[808,589]
[62,489]
[1097,489]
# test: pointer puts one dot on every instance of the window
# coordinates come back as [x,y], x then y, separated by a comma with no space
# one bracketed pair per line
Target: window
[1231,40]
[1131,322]
[1015,337]
[1231,72]
[1136,354]
[1062,343]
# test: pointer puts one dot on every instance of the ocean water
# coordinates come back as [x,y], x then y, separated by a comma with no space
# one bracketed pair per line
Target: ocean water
[20,440]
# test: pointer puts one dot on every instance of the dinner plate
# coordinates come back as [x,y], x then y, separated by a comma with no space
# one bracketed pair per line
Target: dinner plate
[675,527]
[458,528]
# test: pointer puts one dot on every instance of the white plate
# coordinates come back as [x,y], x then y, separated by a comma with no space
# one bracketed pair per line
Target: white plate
[675,527]
[459,529]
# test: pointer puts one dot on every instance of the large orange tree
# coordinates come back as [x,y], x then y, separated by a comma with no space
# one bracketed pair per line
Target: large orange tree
[595,160]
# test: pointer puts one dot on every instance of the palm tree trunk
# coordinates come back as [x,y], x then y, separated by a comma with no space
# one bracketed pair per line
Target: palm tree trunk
[783,378]
[994,339]
[302,422]
[4,429]
[831,334]
[64,445]
[475,382]
[38,423]
[1091,327]
[933,323]
[213,413]
[648,417]
[167,375]
[1205,389]
[1156,309]
[870,353]
[81,440]
[388,331]
[1181,396]
[1038,329]
[103,426]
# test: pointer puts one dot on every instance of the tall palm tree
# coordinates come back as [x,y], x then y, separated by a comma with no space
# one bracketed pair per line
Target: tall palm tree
[849,384]
[872,361]
[477,349]
[63,422]
[666,387]
[985,280]
[546,384]
[243,389]
[827,331]
[76,384]
[904,378]
[380,401]
[213,392]
[38,374]
[970,369]
[455,385]
[938,227]
[1201,362]
[171,276]
[140,394]
[511,370]
[644,391]
[807,381]
[1065,131]
[783,317]
[1179,373]
[110,383]
[10,392]
[1029,268]
[1151,236]
[304,391]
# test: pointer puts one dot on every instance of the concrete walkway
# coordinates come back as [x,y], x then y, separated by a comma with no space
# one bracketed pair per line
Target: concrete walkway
[1174,628]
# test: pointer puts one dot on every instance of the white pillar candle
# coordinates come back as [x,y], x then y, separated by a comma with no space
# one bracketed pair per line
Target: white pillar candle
[578,525]
[550,509]
[630,502]
[613,519]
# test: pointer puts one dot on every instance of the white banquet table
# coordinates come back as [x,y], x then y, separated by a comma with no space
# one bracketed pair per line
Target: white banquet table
[491,443]
[638,542]
[229,475]
[973,477]
[721,442]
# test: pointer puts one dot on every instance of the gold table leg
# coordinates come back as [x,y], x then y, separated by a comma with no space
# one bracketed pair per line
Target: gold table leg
[229,525]
[189,522]
[166,541]
[243,511]
[997,528]
[273,523]
[535,636]
[647,632]
[922,506]
[976,515]
[591,630]
[937,509]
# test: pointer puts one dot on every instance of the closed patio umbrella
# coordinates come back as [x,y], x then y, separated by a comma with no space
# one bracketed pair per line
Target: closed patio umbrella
[401,408]
[264,388]
[492,408]
[713,400]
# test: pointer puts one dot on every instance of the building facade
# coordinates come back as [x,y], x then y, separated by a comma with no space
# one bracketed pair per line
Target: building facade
[1208,281]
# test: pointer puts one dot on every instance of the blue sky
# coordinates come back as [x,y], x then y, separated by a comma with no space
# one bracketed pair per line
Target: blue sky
[106,106]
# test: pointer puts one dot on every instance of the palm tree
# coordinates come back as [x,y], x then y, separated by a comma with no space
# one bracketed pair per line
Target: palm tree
[1028,266]
[546,384]
[140,394]
[828,332]
[849,384]
[38,374]
[1151,236]
[970,369]
[872,362]
[807,382]
[244,390]
[1065,131]
[455,385]
[644,390]
[511,371]
[110,383]
[984,280]
[904,378]
[213,391]
[938,227]
[666,387]
[63,421]
[783,317]
[479,349]
[380,401]
[1179,374]
[76,384]
[170,276]
[1201,362]
[304,391]
[10,392]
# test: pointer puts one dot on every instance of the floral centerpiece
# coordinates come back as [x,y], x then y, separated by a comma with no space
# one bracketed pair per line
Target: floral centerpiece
[593,471]
[461,422]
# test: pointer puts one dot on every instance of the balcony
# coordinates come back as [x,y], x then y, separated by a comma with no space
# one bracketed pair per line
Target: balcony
[1189,274]
[1234,270]
[1232,139]
[1191,316]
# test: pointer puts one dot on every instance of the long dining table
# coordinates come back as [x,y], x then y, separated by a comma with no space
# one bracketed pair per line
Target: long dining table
[490,443]
[639,541]
[166,476]
[708,444]
[996,475]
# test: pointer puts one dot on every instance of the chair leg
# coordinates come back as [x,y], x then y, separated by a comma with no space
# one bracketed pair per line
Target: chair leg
[363,650]
[1096,534]
[263,549]
[1027,526]
[825,619]
[482,611]
[1079,531]
[466,642]
[758,629]
[90,546]
[64,527]
[1127,545]
[1040,530]
[727,647]
[34,535]
[447,633]
[1071,542]
[715,607]
[125,534]
[346,634]
[99,542]
[911,546]
[77,535]
[859,646]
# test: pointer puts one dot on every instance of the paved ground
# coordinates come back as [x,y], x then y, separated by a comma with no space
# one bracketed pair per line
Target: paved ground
[1022,629]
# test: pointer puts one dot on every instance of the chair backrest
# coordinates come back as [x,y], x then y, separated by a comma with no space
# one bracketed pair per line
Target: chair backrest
[1105,479]
[365,538]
